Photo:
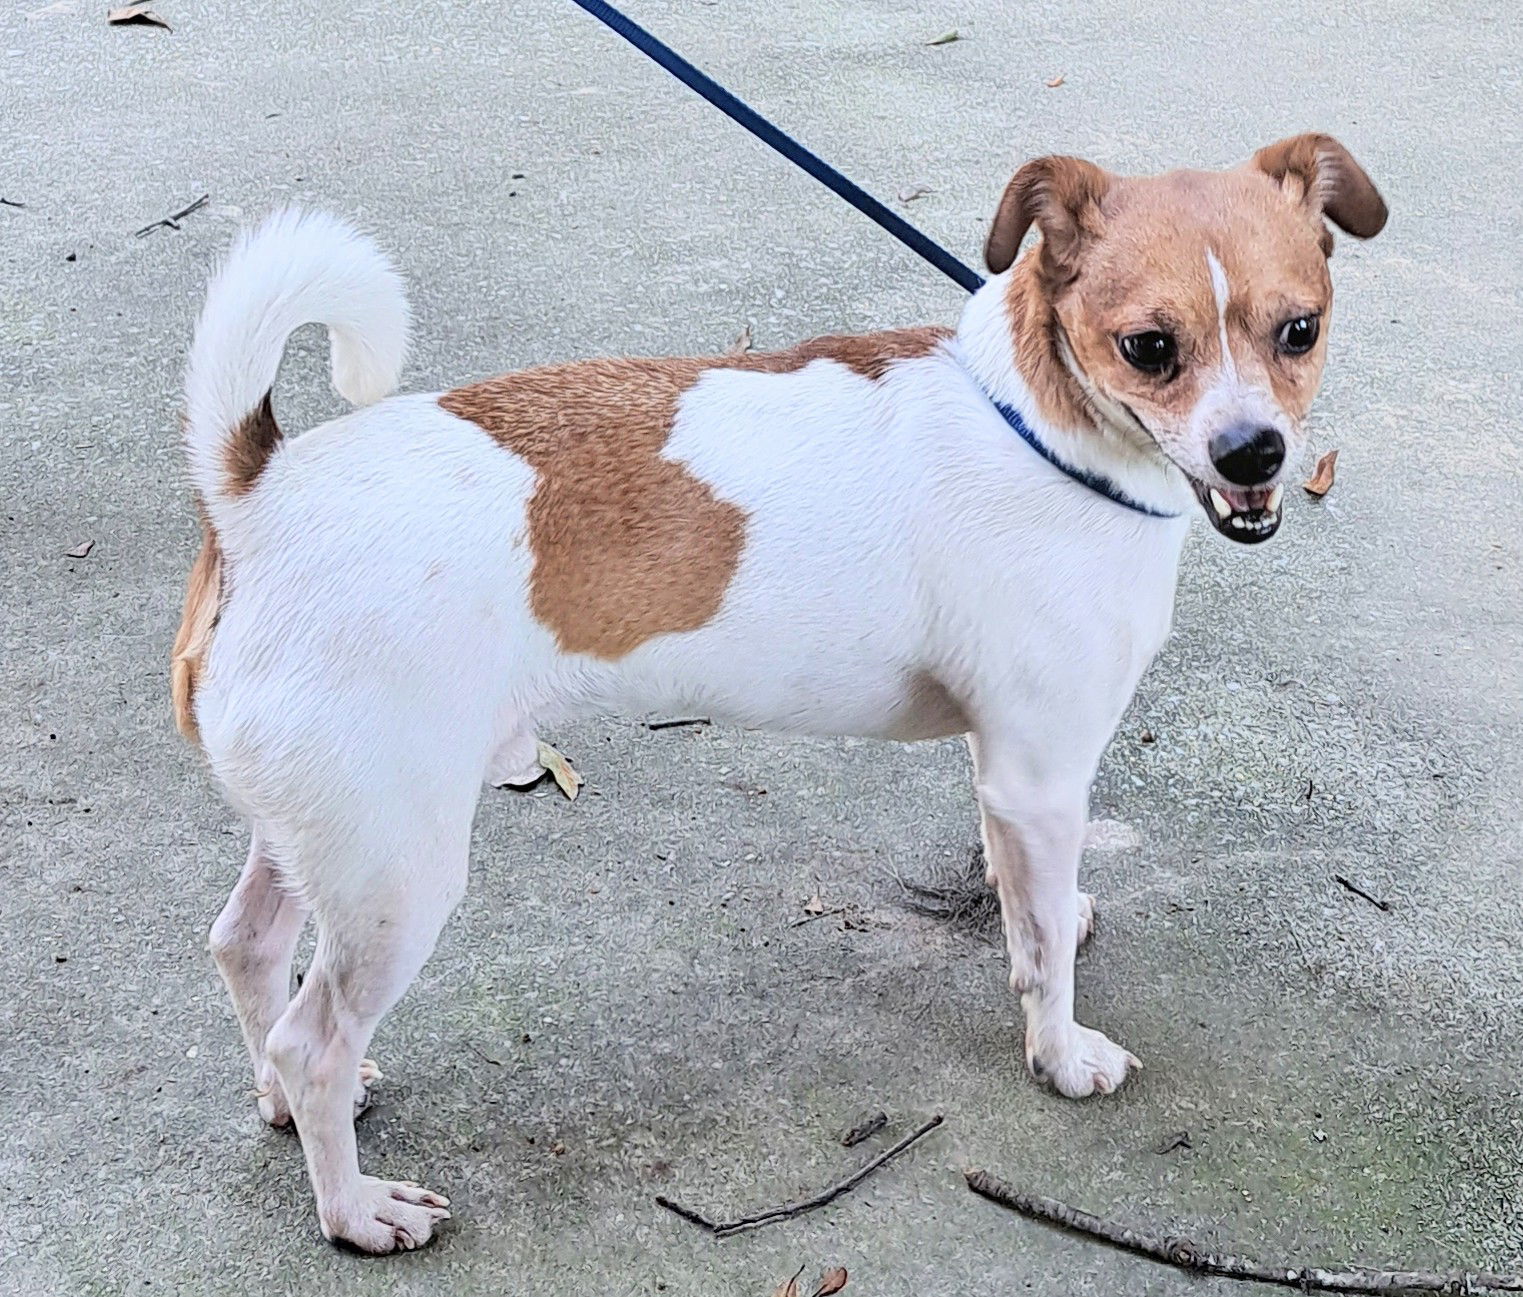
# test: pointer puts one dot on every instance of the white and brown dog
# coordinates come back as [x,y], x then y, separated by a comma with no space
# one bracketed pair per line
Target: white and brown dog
[908,534]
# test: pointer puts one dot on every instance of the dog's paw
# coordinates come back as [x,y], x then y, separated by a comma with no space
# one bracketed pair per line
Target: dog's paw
[275,1111]
[1086,917]
[1077,1061]
[380,1216]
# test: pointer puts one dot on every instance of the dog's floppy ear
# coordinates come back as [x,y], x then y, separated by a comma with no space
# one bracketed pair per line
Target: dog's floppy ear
[1061,197]
[1318,172]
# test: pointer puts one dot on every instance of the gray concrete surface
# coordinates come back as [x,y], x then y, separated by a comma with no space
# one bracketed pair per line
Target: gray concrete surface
[623,981]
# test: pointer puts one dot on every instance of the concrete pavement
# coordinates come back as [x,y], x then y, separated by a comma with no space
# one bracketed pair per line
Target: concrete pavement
[622,1006]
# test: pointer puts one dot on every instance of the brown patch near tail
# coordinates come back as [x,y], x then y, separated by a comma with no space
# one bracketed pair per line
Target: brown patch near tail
[203,606]
[626,544]
[249,447]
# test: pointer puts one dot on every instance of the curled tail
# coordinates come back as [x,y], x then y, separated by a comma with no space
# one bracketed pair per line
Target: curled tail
[296,268]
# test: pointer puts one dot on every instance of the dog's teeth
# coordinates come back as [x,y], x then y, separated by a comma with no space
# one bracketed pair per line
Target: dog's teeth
[1219,503]
[1275,497]
[1239,523]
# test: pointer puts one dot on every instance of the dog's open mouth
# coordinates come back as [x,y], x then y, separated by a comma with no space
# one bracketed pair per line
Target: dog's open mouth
[1247,515]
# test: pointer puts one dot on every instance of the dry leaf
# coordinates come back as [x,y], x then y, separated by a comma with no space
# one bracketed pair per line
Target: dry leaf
[136,14]
[946,38]
[814,905]
[560,770]
[1055,82]
[913,192]
[82,550]
[832,1281]
[742,344]
[1321,482]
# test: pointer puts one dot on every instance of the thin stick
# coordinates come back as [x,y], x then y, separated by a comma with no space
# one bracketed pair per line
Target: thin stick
[675,721]
[172,221]
[483,1055]
[1184,1254]
[723,1229]
[864,1129]
[1358,891]
[823,914]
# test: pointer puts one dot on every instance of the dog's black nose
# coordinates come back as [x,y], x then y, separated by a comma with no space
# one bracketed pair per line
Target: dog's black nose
[1247,456]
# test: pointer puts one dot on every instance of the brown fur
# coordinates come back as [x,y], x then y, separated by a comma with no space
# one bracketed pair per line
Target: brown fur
[203,605]
[627,544]
[1125,254]
[1320,173]
[1036,331]
[250,446]
[1147,269]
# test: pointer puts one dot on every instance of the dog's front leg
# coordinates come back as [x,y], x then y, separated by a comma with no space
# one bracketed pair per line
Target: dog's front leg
[1033,828]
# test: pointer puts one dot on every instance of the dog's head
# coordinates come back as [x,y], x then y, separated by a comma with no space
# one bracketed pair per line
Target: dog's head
[1191,309]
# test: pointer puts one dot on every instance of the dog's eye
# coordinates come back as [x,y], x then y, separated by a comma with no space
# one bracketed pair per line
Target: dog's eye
[1298,336]
[1151,351]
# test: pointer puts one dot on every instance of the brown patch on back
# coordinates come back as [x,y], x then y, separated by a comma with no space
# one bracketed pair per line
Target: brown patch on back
[249,447]
[626,544]
[203,606]
[867,354]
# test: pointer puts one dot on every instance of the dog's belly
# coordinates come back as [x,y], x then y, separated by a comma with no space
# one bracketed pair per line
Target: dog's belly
[784,692]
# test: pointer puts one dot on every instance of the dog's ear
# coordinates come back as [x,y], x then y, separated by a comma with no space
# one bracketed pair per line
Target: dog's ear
[1320,174]
[1061,197]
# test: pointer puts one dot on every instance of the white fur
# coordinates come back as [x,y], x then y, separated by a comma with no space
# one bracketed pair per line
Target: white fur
[1232,396]
[377,657]
[296,268]
[1222,292]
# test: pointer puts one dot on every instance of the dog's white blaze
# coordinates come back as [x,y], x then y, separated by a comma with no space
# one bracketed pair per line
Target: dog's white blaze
[1222,292]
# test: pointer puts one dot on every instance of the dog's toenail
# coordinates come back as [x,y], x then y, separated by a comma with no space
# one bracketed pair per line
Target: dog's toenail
[1038,1068]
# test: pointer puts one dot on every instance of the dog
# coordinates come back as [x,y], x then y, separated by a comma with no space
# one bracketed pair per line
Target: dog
[905,535]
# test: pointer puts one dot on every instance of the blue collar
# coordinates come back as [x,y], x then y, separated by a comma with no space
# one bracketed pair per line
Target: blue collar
[1096,482]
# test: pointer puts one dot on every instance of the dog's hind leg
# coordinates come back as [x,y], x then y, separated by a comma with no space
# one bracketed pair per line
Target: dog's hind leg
[383,897]
[253,941]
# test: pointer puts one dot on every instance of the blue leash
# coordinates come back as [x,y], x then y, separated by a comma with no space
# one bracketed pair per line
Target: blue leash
[785,144]
[859,198]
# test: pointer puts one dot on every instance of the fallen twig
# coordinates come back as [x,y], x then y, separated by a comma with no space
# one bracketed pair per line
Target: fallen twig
[172,221]
[1358,891]
[1184,1254]
[676,721]
[867,1127]
[723,1229]
[823,914]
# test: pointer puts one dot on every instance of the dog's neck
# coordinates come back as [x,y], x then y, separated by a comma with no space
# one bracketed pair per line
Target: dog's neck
[1011,341]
